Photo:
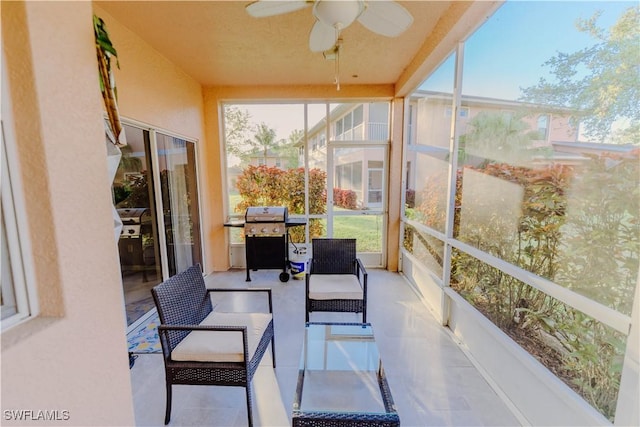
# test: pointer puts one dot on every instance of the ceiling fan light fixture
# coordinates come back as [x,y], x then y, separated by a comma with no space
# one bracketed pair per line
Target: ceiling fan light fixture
[338,14]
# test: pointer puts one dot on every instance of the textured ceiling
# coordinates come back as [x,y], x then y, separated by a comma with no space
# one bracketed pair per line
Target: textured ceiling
[219,44]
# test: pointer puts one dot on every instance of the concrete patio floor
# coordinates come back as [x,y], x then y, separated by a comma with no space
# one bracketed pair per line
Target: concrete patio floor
[432,380]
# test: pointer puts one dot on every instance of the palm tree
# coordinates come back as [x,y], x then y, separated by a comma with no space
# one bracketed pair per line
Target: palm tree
[501,137]
[129,163]
[263,139]
[288,150]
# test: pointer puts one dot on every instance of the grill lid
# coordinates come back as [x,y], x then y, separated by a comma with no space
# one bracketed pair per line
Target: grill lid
[266,214]
[131,215]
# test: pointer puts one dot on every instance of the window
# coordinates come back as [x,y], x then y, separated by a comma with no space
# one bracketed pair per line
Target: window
[347,122]
[14,292]
[339,129]
[375,182]
[543,126]
[7,293]
[358,115]
[463,112]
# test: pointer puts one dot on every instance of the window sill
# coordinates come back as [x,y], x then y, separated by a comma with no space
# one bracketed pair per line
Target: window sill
[23,330]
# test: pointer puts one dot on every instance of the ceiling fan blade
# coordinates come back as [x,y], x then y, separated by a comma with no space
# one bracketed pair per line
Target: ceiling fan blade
[322,37]
[265,8]
[387,18]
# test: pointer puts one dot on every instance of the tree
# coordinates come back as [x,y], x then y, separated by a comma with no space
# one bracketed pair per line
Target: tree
[288,151]
[236,129]
[499,137]
[263,139]
[245,140]
[601,83]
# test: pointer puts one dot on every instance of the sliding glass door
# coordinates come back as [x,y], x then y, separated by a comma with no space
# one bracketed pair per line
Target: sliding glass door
[179,188]
[156,194]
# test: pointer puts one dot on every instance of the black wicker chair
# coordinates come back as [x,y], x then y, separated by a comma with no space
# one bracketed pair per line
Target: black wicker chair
[202,346]
[337,280]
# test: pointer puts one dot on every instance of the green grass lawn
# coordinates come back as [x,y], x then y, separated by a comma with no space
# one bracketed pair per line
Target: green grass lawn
[234,199]
[366,229]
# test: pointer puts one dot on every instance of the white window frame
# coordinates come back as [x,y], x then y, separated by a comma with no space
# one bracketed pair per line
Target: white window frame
[14,221]
[543,131]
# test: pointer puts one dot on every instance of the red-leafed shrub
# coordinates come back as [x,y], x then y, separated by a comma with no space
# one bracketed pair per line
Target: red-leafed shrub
[272,186]
[347,199]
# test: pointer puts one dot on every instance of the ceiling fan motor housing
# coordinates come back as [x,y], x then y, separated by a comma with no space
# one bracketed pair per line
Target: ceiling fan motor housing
[338,14]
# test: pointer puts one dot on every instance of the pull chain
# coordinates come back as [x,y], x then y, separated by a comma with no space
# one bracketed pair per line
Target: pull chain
[337,67]
[337,76]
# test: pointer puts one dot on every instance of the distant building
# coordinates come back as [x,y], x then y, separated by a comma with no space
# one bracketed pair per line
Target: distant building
[356,169]
[270,158]
[554,138]
[433,111]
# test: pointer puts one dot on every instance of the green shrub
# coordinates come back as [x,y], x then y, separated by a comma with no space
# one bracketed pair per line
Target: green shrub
[272,186]
[579,227]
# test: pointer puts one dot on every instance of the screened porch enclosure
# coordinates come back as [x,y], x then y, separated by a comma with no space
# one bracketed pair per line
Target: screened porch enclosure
[280,155]
[487,161]
[521,216]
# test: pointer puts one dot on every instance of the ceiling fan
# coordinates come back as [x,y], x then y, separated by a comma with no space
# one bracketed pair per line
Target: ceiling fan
[385,17]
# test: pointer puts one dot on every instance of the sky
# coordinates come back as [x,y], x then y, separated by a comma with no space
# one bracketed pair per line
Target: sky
[503,55]
[284,118]
[509,50]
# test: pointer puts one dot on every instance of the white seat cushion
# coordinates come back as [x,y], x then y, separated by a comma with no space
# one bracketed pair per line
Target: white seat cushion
[216,346]
[334,286]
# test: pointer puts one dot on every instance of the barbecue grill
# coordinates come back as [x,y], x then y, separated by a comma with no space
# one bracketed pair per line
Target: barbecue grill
[132,219]
[135,223]
[266,239]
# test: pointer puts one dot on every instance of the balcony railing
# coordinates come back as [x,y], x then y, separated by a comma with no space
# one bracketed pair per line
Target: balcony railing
[373,132]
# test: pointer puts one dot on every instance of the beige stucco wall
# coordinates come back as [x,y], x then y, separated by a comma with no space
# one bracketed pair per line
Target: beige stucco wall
[152,90]
[73,357]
